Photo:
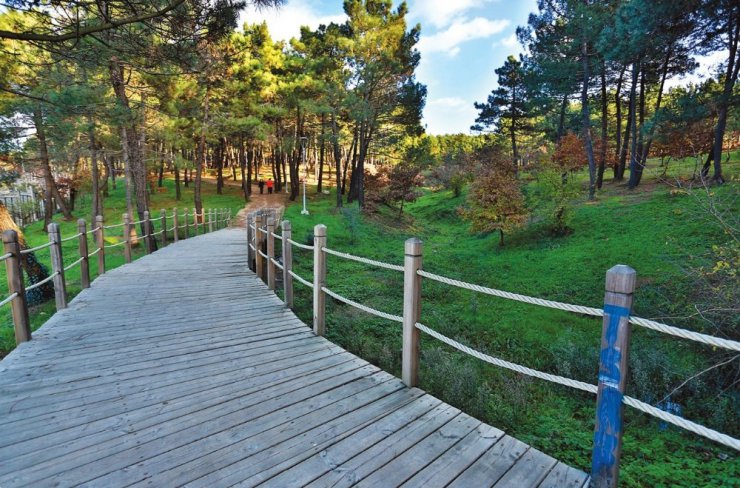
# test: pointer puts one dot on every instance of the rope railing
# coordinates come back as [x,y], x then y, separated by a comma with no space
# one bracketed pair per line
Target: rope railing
[596,312]
[359,306]
[276,263]
[114,226]
[301,280]
[587,387]
[110,246]
[359,259]
[686,334]
[72,237]
[6,256]
[93,253]
[42,282]
[9,299]
[72,265]
[276,236]
[301,246]
[37,248]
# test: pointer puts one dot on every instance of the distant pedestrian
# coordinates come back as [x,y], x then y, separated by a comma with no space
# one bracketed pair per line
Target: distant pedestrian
[269,186]
[261,184]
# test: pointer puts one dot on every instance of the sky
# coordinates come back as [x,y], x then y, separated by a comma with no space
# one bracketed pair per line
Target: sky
[462,43]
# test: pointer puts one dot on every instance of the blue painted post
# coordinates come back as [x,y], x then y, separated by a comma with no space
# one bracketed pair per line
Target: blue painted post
[615,340]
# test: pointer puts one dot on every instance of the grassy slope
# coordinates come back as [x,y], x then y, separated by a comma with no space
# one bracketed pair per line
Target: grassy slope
[653,231]
[115,206]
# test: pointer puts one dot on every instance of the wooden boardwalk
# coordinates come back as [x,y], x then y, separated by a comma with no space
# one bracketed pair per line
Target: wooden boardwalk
[183,368]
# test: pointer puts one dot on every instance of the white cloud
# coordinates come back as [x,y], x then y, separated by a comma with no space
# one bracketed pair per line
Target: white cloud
[440,13]
[707,69]
[449,115]
[285,22]
[510,42]
[460,31]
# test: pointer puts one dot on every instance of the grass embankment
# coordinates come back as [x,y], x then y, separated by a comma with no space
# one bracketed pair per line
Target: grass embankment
[658,232]
[115,206]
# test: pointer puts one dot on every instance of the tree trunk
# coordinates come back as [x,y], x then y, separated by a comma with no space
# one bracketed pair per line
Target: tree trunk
[321,152]
[604,127]
[221,153]
[201,156]
[561,122]
[337,156]
[634,161]
[97,202]
[651,132]
[630,122]
[587,124]
[731,74]
[618,117]
[52,191]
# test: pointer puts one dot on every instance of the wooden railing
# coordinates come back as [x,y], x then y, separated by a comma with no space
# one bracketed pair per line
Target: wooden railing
[207,221]
[615,338]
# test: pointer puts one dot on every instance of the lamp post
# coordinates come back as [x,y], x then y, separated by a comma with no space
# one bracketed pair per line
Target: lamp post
[304,142]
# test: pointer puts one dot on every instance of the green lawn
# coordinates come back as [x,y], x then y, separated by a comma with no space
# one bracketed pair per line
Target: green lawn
[114,205]
[660,232]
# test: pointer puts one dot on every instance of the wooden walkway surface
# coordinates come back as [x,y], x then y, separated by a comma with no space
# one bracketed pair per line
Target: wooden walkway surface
[184,369]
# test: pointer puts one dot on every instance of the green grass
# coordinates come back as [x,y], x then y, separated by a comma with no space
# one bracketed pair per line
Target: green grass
[114,205]
[656,231]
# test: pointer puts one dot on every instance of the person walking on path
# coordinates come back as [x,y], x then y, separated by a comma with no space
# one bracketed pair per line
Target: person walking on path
[269,186]
[261,184]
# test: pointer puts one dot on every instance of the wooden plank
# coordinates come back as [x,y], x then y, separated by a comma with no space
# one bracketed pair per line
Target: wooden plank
[564,476]
[529,470]
[492,465]
[413,460]
[359,467]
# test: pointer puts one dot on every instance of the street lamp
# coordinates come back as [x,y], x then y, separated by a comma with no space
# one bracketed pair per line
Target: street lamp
[304,142]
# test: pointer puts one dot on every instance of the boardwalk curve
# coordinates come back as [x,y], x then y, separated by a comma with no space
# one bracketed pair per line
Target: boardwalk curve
[182,368]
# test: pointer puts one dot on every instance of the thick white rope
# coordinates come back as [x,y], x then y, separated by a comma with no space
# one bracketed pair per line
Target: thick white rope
[371,262]
[276,263]
[37,248]
[93,253]
[9,298]
[46,280]
[94,230]
[579,385]
[632,402]
[301,280]
[74,264]
[683,423]
[5,256]
[251,246]
[115,226]
[362,307]
[302,246]
[263,255]
[597,312]
[276,236]
[686,334]
[108,246]
[72,237]
[169,230]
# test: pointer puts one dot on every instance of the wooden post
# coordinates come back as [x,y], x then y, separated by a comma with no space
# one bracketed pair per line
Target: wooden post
[149,237]
[195,221]
[210,220]
[319,280]
[411,311]
[258,246]
[287,264]
[163,224]
[270,253]
[250,241]
[176,230]
[85,263]
[127,238]
[101,244]
[18,305]
[57,266]
[185,224]
[613,363]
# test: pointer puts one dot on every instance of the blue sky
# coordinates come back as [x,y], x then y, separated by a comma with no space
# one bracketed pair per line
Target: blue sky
[462,43]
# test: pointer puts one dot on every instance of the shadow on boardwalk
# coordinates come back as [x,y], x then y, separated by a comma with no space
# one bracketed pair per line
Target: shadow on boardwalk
[182,367]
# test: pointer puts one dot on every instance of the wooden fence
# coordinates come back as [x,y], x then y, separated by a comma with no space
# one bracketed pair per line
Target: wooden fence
[615,338]
[207,221]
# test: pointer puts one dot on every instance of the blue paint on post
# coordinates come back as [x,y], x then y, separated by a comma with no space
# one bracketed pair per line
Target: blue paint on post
[608,410]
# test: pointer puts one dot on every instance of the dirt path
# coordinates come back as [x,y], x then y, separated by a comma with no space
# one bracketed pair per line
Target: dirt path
[276,200]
